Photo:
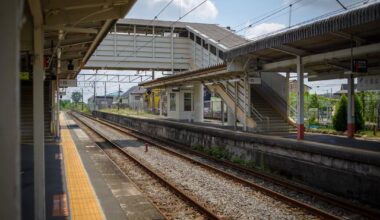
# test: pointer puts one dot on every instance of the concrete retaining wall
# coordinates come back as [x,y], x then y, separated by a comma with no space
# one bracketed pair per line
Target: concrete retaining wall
[342,171]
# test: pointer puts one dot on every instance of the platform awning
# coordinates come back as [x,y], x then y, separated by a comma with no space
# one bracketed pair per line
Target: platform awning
[77,27]
[324,45]
[204,75]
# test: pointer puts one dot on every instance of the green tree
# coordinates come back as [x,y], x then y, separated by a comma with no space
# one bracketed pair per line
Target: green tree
[359,119]
[340,116]
[314,102]
[76,97]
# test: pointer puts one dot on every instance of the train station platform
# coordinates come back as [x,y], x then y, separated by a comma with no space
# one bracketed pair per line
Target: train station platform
[372,144]
[81,181]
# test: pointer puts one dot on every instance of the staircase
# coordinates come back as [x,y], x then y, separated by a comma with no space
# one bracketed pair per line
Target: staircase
[229,98]
[262,116]
[27,113]
[277,123]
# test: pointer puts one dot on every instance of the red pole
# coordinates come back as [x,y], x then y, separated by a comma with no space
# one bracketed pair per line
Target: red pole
[146,147]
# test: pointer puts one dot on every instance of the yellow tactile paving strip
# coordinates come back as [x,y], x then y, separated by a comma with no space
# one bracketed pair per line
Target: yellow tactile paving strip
[82,197]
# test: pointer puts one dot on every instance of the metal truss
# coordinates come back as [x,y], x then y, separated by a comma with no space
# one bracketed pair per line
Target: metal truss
[89,79]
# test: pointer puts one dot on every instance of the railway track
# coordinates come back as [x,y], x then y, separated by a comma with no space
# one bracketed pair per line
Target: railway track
[206,213]
[163,144]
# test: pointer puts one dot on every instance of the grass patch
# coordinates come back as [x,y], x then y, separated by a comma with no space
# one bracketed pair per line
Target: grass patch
[223,153]
[129,112]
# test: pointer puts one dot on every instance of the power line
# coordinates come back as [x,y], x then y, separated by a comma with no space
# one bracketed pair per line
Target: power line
[162,10]
[171,26]
[326,15]
[261,19]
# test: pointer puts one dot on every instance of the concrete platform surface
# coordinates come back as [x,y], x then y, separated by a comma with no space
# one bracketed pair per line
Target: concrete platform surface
[81,182]
[56,206]
[117,194]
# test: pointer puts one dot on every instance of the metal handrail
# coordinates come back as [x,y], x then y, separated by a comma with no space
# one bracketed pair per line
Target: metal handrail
[281,103]
[253,110]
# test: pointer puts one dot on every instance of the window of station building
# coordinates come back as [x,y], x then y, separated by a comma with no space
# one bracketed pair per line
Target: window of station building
[213,49]
[172,102]
[184,34]
[192,36]
[205,45]
[221,55]
[187,102]
[199,40]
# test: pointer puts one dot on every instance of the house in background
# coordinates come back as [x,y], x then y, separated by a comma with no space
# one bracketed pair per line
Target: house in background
[293,87]
[134,98]
[343,90]
[99,102]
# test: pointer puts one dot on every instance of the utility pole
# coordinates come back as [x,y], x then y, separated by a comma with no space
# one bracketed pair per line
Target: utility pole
[152,94]
[118,99]
[105,94]
[82,99]
[290,15]
[94,100]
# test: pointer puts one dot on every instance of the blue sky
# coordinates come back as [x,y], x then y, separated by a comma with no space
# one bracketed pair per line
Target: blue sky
[236,14]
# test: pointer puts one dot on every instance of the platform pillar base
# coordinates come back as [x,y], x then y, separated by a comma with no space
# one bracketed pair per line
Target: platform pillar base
[300,131]
[350,130]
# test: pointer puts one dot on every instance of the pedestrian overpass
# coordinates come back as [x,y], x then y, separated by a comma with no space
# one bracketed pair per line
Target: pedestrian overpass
[135,44]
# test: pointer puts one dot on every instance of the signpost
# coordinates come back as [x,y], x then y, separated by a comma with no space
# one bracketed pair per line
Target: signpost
[254,80]
[64,83]
[366,83]
[359,66]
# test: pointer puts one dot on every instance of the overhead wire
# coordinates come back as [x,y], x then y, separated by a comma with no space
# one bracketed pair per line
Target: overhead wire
[261,18]
[326,15]
[171,26]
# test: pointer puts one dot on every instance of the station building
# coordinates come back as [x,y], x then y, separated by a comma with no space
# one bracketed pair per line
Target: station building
[50,42]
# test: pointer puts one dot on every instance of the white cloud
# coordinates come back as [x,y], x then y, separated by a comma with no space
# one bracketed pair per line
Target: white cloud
[262,29]
[206,11]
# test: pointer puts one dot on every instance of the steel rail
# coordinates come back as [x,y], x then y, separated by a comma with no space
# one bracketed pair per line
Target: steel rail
[321,213]
[332,200]
[190,199]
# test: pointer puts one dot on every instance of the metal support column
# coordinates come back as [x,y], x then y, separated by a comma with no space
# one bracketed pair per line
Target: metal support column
[153,104]
[59,66]
[235,106]
[161,104]
[10,21]
[82,99]
[38,124]
[198,102]
[134,41]
[118,97]
[350,107]
[300,100]
[105,94]
[172,49]
[58,131]
[153,43]
[287,95]
[246,103]
[222,111]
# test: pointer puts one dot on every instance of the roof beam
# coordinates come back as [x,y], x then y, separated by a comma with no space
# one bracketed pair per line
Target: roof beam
[338,54]
[339,65]
[36,10]
[349,37]
[103,31]
[84,16]
[72,29]
[75,4]
[291,50]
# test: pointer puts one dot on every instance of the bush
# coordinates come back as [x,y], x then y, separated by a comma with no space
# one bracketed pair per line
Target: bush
[359,119]
[340,116]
